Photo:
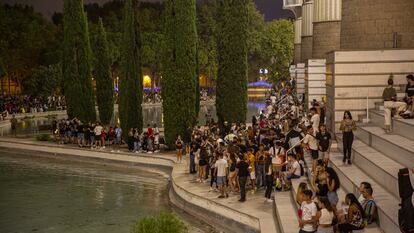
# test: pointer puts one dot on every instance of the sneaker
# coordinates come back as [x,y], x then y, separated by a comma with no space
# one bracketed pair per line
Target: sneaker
[103,147]
[269,200]
[344,160]
[149,152]
[118,151]
[221,196]
[211,189]
[112,151]
[242,200]
[349,162]
[136,152]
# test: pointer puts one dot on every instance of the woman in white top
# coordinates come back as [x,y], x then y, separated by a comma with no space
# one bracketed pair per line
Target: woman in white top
[325,216]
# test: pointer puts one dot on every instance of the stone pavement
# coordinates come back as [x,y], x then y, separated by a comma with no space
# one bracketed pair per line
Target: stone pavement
[254,210]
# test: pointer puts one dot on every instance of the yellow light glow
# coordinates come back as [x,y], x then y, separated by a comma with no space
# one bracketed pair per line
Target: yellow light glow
[147,81]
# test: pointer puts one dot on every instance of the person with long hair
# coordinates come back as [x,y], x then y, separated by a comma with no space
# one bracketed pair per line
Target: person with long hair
[268,169]
[320,179]
[179,148]
[347,127]
[333,186]
[325,216]
[354,217]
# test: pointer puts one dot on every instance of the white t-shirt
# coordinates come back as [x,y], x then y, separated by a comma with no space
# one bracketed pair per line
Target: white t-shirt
[308,211]
[273,99]
[221,166]
[315,122]
[296,167]
[98,130]
[311,141]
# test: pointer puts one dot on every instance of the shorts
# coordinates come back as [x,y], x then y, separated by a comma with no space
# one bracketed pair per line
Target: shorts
[290,176]
[252,175]
[81,136]
[324,154]
[202,162]
[97,137]
[221,180]
[118,140]
[314,154]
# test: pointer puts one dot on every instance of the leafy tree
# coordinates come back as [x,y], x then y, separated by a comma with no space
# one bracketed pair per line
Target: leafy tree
[104,84]
[162,223]
[24,35]
[44,81]
[130,86]
[231,102]
[77,73]
[279,47]
[179,67]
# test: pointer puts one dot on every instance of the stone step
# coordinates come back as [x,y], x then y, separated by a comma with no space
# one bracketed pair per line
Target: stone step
[396,147]
[351,176]
[403,127]
[376,165]
[286,212]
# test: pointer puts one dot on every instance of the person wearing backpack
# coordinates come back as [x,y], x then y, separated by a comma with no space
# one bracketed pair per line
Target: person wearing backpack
[354,216]
[369,205]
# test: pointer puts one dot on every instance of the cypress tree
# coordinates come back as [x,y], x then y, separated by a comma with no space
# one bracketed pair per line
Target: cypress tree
[104,84]
[179,64]
[130,82]
[231,97]
[77,74]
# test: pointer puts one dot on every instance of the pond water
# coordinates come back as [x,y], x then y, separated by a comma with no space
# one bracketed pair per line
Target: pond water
[49,195]
[151,114]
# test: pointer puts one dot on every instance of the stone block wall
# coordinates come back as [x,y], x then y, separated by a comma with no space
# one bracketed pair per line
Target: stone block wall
[370,24]
[298,54]
[351,76]
[315,80]
[306,48]
[326,38]
[300,78]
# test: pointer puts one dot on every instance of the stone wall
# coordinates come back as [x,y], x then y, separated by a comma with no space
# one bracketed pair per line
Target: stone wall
[315,80]
[370,24]
[300,78]
[298,54]
[326,38]
[306,49]
[351,76]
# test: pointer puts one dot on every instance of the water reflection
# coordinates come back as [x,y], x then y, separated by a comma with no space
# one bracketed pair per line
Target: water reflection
[151,114]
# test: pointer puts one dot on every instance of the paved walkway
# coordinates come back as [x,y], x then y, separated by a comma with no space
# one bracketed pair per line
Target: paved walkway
[254,206]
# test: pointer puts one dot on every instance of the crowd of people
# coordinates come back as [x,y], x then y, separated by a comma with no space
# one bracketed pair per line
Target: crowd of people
[237,158]
[28,104]
[98,136]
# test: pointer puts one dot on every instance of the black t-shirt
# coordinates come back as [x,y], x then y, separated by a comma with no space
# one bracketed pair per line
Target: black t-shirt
[324,140]
[243,168]
[409,90]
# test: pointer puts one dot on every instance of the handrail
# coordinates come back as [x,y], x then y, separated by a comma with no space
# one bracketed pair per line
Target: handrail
[283,116]
[295,145]
[283,98]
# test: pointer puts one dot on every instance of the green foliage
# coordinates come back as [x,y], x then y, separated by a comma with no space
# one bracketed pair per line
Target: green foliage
[179,67]
[45,80]
[162,223]
[279,48]
[77,75]
[43,137]
[231,100]
[24,35]
[130,83]
[104,84]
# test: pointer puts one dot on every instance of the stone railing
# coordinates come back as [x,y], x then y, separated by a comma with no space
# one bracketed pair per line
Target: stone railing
[292,3]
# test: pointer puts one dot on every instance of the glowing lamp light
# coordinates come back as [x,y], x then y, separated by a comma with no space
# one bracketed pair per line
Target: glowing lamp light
[146,81]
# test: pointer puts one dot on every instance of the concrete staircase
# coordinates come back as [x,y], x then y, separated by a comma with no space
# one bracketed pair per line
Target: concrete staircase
[377,157]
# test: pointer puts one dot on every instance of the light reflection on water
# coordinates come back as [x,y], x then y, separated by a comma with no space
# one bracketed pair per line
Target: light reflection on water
[46,195]
[151,115]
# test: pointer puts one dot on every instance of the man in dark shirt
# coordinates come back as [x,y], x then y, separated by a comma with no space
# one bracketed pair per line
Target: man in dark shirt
[324,142]
[242,172]
[409,94]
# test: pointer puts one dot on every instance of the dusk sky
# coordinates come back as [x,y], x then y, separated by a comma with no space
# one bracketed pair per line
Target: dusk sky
[272,9]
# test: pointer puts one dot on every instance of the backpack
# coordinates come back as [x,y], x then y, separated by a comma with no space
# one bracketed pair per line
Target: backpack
[406,212]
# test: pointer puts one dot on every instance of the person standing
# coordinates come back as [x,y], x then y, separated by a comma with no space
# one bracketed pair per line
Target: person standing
[242,172]
[179,148]
[98,133]
[13,123]
[315,119]
[118,137]
[389,95]
[268,168]
[324,143]
[260,159]
[347,127]
[221,169]
[409,95]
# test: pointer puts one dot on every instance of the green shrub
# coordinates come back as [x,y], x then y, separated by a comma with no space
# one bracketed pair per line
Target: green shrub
[162,223]
[43,137]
